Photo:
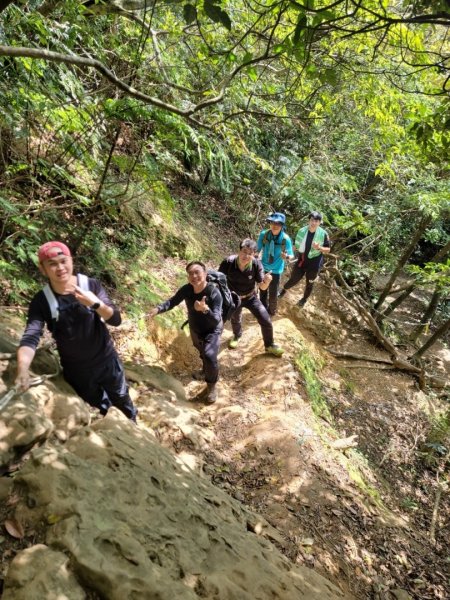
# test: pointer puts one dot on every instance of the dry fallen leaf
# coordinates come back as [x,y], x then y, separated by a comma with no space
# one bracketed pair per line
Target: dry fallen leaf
[13,499]
[14,528]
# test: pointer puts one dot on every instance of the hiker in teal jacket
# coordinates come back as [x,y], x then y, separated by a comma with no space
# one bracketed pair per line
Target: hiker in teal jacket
[311,243]
[275,246]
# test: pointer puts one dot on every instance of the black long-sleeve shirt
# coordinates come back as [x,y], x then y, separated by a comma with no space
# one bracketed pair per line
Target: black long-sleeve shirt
[81,337]
[201,323]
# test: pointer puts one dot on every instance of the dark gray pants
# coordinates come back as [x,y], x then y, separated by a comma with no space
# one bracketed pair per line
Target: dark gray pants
[102,386]
[297,274]
[269,297]
[208,348]
[258,310]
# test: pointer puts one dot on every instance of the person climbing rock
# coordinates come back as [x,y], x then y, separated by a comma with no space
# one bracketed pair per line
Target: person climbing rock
[75,309]
[275,246]
[204,305]
[244,272]
[311,243]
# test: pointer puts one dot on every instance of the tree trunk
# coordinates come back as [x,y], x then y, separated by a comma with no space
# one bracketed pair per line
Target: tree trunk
[393,305]
[442,330]
[437,258]
[427,315]
[97,199]
[404,257]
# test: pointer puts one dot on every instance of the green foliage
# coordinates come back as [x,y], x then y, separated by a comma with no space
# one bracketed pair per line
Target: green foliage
[190,13]
[436,448]
[306,119]
[309,366]
[436,274]
[358,471]
[216,13]
[410,504]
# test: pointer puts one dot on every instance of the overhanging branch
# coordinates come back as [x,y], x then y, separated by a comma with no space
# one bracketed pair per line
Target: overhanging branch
[70,59]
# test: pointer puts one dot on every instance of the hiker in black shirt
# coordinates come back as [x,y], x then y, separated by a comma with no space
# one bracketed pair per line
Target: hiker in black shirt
[311,243]
[244,272]
[204,305]
[88,358]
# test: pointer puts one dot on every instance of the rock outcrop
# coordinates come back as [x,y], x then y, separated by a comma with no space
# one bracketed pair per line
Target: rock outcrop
[104,511]
[123,519]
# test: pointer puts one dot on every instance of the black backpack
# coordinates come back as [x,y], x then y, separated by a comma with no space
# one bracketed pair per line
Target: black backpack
[230,300]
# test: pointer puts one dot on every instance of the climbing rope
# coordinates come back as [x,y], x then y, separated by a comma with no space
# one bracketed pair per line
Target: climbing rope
[15,391]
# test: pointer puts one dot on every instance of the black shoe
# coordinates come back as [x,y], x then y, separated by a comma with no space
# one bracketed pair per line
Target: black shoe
[211,394]
[281,293]
[301,303]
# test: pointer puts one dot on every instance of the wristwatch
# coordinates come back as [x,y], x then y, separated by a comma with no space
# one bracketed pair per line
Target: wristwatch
[95,306]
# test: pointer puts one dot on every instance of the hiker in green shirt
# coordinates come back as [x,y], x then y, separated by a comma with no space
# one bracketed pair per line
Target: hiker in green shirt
[311,243]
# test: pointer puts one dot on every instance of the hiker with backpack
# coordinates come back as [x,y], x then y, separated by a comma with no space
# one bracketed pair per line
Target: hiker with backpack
[75,309]
[204,305]
[244,272]
[275,246]
[311,243]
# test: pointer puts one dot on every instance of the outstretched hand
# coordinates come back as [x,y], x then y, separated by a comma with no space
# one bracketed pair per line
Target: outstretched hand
[153,312]
[200,305]
[22,382]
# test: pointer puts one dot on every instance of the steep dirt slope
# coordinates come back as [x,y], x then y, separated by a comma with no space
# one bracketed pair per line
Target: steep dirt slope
[360,515]
[95,508]
[278,441]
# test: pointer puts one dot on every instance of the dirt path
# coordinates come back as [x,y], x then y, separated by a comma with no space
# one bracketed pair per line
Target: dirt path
[361,517]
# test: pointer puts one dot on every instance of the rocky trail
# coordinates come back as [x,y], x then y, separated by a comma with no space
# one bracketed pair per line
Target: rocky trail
[345,490]
[305,480]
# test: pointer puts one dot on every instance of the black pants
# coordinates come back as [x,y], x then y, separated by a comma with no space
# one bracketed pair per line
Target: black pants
[102,386]
[208,348]
[269,297]
[258,310]
[297,274]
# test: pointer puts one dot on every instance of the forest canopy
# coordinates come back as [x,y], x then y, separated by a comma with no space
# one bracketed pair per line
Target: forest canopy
[340,106]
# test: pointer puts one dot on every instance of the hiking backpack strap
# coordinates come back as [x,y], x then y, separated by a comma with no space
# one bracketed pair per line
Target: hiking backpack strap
[52,301]
[265,240]
[83,283]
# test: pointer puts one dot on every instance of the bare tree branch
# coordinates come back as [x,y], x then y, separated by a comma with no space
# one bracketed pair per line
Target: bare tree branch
[402,260]
[440,332]
[38,53]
